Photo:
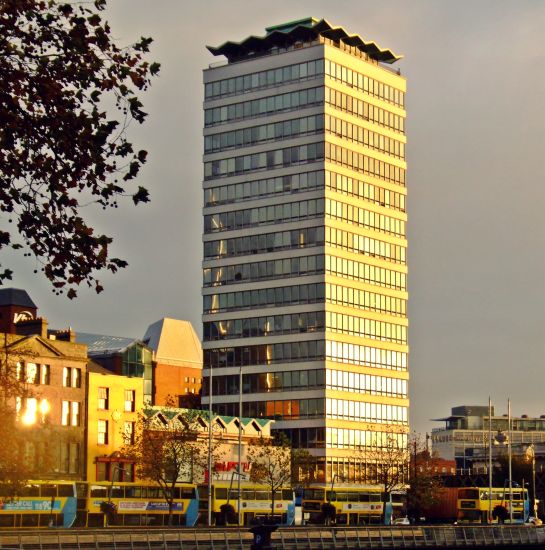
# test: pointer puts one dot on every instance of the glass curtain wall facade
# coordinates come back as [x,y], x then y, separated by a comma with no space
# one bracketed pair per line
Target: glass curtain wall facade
[305,272]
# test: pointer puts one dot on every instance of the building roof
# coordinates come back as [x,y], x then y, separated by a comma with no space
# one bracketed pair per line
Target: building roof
[101,344]
[16,297]
[93,366]
[174,342]
[303,29]
[447,418]
[171,413]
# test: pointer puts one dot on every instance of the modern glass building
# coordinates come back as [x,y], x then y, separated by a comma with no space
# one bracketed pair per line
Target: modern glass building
[305,275]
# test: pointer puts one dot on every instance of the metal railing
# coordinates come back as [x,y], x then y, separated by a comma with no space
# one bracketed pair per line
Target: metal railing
[314,538]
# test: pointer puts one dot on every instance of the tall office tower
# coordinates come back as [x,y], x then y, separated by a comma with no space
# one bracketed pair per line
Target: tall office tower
[304,240]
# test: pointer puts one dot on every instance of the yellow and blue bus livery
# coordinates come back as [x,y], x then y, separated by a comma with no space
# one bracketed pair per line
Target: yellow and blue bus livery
[140,504]
[40,504]
[255,502]
[354,504]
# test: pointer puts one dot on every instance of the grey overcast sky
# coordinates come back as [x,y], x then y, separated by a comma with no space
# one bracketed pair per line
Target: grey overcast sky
[476,136]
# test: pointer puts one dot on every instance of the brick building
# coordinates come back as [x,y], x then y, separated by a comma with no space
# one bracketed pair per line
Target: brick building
[51,366]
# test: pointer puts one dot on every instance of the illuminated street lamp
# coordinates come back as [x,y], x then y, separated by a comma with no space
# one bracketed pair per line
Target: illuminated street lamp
[531,455]
[44,408]
[29,418]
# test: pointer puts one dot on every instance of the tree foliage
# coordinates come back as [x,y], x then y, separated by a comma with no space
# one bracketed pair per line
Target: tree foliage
[385,463]
[270,464]
[303,468]
[68,93]
[425,480]
[168,448]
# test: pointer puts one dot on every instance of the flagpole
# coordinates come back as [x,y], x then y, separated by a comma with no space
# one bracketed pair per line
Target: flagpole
[210,424]
[239,499]
[510,461]
[489,460]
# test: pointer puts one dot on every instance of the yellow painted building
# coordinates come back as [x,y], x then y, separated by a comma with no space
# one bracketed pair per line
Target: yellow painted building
[113,402]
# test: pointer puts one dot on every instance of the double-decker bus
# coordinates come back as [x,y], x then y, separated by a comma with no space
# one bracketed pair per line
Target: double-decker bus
[474,504]
[256,500]
[39,504]
[136,504]
[354,504]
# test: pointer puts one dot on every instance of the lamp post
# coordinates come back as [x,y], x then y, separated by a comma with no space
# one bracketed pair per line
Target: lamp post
[239,440]
[501,439]
[510,461]
[210,447]
[531,455]
[108,508]
[115,468]
[489,460]
[415,456]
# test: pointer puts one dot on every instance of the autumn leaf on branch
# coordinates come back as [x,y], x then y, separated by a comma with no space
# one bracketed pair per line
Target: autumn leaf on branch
[60,148]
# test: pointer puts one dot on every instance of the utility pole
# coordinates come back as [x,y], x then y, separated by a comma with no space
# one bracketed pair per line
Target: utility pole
[510,461]
[414,457]
[210,448]
[489,460]
[239,508]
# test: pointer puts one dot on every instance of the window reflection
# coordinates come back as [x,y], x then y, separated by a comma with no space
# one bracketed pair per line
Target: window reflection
[239,219]
[261,161]
[264,106]
[264,79]
[261,134]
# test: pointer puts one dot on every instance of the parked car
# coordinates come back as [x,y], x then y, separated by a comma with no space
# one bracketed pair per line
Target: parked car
[534,521]
[401,521]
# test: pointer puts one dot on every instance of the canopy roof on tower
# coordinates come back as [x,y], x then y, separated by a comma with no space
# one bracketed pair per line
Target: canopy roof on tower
[301,30]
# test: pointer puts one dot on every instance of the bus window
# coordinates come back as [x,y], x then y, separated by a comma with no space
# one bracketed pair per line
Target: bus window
[30,491]
[7,520]
[262,495]
[48,490]
[65,490]
[313,494]
[154,492]
[248,494]
[364,497]
[221,493]
[99,491]
[117,492]
[81,490]
[187,492]
[471,494]
[134,492]
[30,520]
[374,497]
[331,496]
[133,519]
[233,494]
[287,494]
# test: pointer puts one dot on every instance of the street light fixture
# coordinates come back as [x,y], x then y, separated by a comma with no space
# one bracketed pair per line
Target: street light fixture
[239,511]
[531,455]
[115,468]
[210,418]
